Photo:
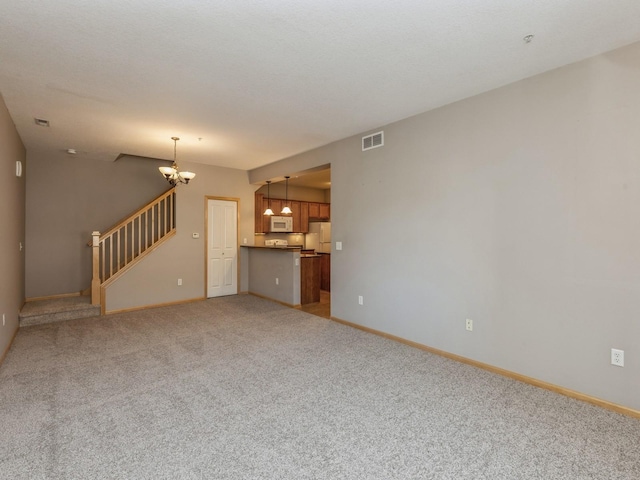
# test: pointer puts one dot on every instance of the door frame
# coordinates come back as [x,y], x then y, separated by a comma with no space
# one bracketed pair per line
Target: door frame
[206,239]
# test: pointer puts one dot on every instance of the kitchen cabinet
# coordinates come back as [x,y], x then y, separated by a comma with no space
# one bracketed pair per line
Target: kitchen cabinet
[262,221]
[295,214]
[325,212]
[302,213]
[300,217]
[276,206]
[325,271]
[309,279]
[314,210]
[320,211]
[304,217]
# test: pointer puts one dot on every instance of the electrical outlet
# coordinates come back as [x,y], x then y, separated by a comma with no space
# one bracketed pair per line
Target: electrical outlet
[179,282]
[3,319]
[277,281]
[360,300]
[469,324]
[617,357]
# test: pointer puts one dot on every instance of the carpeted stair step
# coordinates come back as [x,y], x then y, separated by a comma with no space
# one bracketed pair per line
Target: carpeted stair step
[57,310]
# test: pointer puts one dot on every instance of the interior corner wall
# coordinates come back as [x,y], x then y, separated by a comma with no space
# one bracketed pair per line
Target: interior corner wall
[69,197]
[154,280]
[519,209]
[12,232]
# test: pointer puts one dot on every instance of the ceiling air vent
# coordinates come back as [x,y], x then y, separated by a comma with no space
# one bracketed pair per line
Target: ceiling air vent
[41,122]
[374,140]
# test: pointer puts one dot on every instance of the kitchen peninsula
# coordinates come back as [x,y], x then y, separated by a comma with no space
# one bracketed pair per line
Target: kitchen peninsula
[284,274]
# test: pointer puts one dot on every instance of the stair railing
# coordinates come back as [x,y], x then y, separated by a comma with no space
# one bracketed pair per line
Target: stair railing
[129,241]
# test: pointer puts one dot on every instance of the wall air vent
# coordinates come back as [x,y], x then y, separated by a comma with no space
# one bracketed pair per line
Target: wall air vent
[374,140]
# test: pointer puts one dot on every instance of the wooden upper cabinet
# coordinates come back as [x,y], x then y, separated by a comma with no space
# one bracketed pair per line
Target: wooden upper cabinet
[295,213]
[325,211]
[320,211]
[314,210]
[276,206]
[304,217]
[300,216]
[302,213]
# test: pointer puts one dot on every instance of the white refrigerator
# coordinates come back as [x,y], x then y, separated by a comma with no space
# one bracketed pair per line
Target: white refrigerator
[319,237]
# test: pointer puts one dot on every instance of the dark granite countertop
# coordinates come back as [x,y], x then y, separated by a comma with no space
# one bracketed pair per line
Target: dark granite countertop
[283,248]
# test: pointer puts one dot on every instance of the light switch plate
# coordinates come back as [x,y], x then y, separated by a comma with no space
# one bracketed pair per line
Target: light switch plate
[338,245]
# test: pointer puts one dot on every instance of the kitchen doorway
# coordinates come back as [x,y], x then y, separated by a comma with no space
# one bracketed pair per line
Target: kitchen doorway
[321,308]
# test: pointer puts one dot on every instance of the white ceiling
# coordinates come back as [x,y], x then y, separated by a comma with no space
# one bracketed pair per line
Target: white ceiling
[320,179]
[247,82]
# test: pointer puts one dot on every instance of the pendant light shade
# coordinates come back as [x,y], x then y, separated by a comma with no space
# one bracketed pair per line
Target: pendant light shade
[268,211]
[286,210]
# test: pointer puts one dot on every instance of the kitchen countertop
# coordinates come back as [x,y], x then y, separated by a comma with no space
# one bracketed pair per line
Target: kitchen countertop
[284,248]
[288,248]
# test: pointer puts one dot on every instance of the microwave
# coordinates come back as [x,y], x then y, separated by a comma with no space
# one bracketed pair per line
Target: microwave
[281,224]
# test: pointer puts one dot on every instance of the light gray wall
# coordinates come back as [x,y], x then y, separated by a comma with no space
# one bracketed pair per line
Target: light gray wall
[519,209]
[265,265]
[12,202]
[68,197]
[155,280]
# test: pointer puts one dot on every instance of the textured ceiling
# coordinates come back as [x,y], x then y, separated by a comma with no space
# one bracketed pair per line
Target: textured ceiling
[247,82]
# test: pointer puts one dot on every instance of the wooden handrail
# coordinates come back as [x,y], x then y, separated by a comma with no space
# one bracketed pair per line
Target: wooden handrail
[152,203]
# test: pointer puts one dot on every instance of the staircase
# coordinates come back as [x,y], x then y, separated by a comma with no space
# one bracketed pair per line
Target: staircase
[114,252]
[128,242]
[51,310]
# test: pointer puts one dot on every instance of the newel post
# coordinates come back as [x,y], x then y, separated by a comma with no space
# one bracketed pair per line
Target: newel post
[95,281]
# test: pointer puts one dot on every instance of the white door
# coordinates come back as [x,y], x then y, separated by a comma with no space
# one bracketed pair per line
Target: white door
[222,248]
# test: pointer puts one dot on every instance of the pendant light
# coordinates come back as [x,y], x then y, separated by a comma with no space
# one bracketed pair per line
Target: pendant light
[286,210]
[171,174]
[268,211]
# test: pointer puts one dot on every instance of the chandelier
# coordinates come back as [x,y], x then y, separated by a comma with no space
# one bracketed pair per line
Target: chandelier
[172,174]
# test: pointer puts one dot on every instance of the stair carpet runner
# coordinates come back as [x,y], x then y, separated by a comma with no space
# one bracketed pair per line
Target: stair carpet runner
[38,312]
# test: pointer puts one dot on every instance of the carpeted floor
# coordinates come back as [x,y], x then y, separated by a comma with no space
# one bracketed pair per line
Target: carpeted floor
[243,388]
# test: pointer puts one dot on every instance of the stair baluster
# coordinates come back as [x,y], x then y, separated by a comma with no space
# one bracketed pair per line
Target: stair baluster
[117,250]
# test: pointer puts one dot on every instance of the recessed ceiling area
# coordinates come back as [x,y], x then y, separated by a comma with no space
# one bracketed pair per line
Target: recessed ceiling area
[244,84]
[319,179]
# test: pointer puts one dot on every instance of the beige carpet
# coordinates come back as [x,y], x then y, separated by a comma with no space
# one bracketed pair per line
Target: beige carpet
[243,388]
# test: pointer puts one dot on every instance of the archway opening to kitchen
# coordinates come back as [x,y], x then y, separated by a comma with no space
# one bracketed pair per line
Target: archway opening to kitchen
[307,226]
